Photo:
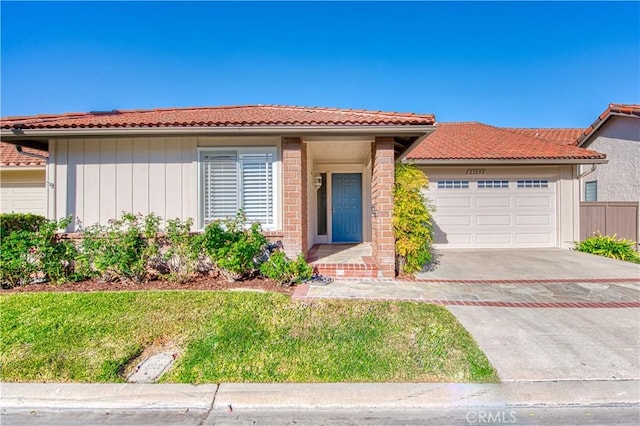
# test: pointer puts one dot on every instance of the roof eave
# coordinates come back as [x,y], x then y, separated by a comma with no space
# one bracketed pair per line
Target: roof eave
[584,138]
[509,161]
[374,130]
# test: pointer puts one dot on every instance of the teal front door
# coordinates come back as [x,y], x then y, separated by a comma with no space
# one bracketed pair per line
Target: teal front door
[346,206]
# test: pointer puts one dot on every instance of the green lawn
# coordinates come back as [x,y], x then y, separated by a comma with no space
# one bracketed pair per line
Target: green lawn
[233,337]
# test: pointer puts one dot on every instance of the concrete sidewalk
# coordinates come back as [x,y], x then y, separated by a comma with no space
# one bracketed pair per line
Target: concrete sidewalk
[202,399]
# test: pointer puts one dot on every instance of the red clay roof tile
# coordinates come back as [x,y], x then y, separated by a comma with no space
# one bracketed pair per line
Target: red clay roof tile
[10,158]
[558,135]
[477,141]
[226,116]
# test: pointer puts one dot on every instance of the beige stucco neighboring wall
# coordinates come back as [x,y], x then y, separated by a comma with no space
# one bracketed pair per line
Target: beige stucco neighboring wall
[619,179]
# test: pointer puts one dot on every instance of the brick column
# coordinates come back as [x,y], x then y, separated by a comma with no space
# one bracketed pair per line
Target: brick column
[384,251]
[294,196]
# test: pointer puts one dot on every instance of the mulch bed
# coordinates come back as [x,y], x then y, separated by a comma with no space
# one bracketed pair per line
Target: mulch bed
[204,282]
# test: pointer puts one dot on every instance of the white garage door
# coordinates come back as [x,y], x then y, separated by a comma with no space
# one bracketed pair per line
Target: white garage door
[23,198]
[494,212]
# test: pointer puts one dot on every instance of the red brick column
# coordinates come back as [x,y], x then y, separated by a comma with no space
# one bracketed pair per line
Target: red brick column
[294,196]
[384,251]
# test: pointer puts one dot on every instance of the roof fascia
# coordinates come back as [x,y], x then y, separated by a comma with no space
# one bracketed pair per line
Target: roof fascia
[599,124]
[381,130]
[459,162]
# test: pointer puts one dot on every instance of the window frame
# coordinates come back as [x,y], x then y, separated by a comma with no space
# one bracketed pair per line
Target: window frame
[595,184]
[444,184]
[492,184]
[242,150]
[533,183]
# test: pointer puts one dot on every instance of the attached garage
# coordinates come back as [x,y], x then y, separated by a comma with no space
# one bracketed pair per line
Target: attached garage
[499,188]
[498,209]
[22,182]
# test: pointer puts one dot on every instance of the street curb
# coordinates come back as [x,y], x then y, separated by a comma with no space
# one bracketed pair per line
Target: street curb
[102,396]
[318,396]
[386,396]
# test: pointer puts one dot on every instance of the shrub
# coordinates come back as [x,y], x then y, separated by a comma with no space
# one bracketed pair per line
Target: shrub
[16,259]
[182,254]
[233,247]
[609,246]
[411,219]
[10,222]
[286,272]
[54,257]
[121,250]
[27,253]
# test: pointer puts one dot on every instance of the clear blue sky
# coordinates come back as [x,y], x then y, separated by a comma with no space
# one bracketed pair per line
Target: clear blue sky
[542,64]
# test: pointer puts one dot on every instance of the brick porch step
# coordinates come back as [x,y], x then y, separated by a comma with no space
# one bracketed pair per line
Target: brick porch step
[368,268]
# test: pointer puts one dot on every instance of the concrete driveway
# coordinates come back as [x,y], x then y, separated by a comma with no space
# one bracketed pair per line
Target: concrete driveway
[561,343]
[525,264]
[530,344]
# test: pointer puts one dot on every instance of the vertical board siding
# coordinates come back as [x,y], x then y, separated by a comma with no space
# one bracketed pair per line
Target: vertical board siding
[157,177]
[108,182]
[61,179]
[100,178]
[91,195]
[173,179]
[75,178]
[140,175]
[124,173]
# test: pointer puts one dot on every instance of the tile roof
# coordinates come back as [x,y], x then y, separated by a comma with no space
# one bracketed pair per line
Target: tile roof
[477,141]
[9,157]
[558,135]
[630,110]
[224,116]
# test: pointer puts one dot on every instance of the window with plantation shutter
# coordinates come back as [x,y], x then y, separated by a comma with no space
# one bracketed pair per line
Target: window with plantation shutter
[234,180]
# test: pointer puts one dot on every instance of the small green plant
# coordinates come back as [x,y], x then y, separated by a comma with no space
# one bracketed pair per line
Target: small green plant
[55,257]
[286,272]
[121,250]
[182,254]
[609,246]
[411,219]
[28,254]
[233,247]
[10,222]
[17,264]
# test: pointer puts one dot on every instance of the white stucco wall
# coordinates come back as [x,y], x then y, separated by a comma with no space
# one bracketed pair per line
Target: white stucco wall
[619,179]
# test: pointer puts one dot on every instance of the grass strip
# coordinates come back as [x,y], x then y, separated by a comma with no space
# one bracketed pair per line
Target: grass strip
[233,337]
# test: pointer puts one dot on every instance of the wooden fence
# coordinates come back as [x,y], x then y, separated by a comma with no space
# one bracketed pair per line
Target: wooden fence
[608,218]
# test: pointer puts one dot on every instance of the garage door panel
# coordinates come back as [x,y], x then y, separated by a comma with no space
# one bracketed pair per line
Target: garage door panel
[457,239]
[543,220]
[503,239]
[455,220]
[491,220]
[542,239]
[533,201]
[502,215]
[484,201]
[453,202]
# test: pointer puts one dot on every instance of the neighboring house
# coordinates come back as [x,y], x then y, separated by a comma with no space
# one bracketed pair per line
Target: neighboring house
[309,175]
[495,187]
[615,133]
[22,181]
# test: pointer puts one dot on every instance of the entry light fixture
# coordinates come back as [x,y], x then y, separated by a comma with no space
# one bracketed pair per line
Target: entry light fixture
[317,181]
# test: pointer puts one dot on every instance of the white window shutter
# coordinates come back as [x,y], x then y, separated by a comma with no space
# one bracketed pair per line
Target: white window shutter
[221,189]
[257,187]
